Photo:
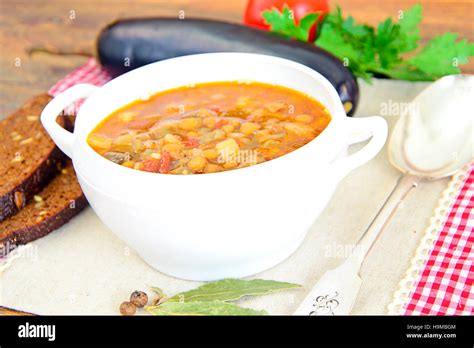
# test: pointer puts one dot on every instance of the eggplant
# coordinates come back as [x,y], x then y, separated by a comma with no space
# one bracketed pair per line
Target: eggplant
[130,43]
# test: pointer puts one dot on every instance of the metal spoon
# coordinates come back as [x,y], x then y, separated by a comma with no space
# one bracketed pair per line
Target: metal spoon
[432,142]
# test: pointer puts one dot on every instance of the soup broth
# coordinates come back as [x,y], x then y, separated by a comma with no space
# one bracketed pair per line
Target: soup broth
[209,127]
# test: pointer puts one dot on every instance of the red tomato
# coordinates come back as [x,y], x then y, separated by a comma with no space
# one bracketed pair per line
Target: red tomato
[155,165]
[253,12]
[151,165]
[191,142]
[165,162]
[219,124]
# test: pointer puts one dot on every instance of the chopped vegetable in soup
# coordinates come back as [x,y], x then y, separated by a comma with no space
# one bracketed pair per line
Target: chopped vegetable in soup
[209,127]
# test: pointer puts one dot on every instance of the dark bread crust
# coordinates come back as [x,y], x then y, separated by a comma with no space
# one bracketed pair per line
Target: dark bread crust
[37,180]
[42,169]
[32,232]
[38,219]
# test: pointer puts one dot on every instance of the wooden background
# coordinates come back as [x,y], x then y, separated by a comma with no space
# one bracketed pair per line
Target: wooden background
[30,28]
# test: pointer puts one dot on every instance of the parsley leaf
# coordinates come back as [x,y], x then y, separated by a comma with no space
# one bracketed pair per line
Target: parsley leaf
[353,44]
[335,41]
[284,23]
[442,55]
[408,22]
[366,50]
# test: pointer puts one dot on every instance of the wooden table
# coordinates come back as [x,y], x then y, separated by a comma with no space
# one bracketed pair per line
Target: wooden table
[41,41]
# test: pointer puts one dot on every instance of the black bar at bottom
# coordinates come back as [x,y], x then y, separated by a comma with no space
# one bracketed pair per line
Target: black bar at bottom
[353,330]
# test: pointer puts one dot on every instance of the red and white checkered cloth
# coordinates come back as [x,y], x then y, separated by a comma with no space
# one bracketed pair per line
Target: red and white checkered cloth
[91,72]
[444,285]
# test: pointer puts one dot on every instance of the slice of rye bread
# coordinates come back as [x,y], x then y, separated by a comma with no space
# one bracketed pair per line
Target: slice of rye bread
[28,157]
[51,208]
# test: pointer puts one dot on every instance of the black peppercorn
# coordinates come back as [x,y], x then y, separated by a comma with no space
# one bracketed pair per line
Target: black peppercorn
[127,308]
[139,298]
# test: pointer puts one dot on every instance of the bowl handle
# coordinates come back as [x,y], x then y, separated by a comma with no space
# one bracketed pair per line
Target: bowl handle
[361,129]
[60,136]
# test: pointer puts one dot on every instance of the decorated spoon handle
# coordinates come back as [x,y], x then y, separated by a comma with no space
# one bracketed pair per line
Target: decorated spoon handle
[334,293]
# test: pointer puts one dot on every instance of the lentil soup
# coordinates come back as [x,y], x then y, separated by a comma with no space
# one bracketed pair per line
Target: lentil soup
[209,127]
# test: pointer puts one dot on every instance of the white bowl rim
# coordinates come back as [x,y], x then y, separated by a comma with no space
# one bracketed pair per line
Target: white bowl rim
[336,117]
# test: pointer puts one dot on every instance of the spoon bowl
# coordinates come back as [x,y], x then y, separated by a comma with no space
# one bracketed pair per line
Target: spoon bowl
[436,138]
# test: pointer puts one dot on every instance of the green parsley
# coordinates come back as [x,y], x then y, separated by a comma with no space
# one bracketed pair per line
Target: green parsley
[366,50]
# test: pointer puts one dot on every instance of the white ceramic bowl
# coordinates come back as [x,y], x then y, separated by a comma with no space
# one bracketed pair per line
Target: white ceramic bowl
[228,224]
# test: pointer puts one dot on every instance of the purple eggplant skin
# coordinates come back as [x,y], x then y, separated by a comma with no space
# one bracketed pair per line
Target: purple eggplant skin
[130,43]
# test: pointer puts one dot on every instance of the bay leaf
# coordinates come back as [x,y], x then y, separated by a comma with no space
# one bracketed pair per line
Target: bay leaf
[202,308]
[231,290]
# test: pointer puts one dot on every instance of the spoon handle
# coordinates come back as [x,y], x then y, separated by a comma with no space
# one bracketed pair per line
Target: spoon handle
[405,184]
[336,291]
